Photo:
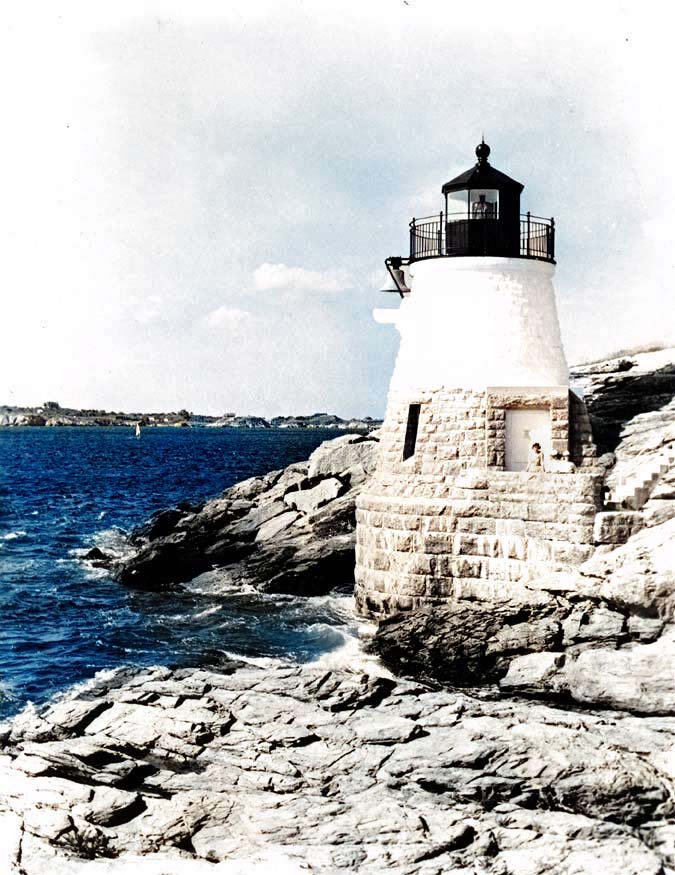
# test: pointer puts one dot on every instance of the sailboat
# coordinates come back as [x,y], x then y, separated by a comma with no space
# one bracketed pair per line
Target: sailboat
[138,430]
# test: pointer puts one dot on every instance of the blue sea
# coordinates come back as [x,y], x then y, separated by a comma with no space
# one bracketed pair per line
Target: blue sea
[65,490]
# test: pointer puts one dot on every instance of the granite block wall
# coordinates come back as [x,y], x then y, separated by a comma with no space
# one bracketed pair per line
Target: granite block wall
[489,532]
[448,521]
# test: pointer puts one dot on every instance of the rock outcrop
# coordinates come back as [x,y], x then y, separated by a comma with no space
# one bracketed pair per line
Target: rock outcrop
[619,389]
[305,769]
[290,531]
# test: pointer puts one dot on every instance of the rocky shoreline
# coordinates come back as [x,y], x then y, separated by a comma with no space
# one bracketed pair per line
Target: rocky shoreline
[304,769]
[518,737]
[289,531]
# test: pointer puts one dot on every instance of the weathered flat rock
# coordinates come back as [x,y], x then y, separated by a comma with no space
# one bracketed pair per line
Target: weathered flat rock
[309,500]
[276,525]
[532,673]
[640,678]
[348,456]
[336,772]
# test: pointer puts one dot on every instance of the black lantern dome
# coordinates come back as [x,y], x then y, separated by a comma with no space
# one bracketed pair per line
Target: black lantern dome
[482,217]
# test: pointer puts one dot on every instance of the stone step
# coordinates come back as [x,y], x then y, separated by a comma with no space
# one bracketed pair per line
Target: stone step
[637,490]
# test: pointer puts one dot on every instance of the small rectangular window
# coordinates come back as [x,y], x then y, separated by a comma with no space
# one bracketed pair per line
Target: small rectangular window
[411,430]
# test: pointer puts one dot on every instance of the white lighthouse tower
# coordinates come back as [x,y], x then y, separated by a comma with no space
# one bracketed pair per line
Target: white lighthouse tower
[479,379]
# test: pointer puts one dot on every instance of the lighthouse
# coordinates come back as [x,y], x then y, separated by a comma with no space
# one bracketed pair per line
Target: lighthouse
[486,478]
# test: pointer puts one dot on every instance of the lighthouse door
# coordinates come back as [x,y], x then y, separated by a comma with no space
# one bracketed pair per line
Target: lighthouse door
[524,427]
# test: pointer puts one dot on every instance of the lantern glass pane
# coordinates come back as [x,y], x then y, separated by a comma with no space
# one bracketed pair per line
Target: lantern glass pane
[484,203]
[458,205]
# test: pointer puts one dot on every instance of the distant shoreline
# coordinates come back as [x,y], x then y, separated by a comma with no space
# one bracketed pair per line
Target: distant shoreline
[51,415]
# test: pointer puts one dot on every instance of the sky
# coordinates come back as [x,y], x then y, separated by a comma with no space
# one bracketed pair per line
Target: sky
[198,198]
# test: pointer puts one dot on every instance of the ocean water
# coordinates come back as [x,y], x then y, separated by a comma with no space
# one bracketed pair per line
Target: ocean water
[65,490]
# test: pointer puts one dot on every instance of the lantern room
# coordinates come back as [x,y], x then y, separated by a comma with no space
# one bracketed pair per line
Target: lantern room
[482,210]
[482,217]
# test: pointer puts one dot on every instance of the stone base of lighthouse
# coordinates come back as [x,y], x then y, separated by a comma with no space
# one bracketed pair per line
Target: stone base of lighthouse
[449,522]
[494,531]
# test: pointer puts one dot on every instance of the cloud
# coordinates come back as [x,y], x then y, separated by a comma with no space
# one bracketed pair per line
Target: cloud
[149,310]
[227,317]
[281,277]
[427,201]
[378,278]
[658,230]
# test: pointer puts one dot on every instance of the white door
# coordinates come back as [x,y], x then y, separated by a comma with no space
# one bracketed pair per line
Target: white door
[526,426]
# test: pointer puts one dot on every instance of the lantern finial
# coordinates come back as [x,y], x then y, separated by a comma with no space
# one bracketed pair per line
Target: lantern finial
[482,152]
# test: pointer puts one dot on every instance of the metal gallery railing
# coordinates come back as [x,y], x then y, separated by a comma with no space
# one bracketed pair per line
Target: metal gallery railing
[441,235]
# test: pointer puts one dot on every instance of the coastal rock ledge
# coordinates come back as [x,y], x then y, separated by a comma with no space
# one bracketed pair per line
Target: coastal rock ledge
[257,769]
[290,531]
